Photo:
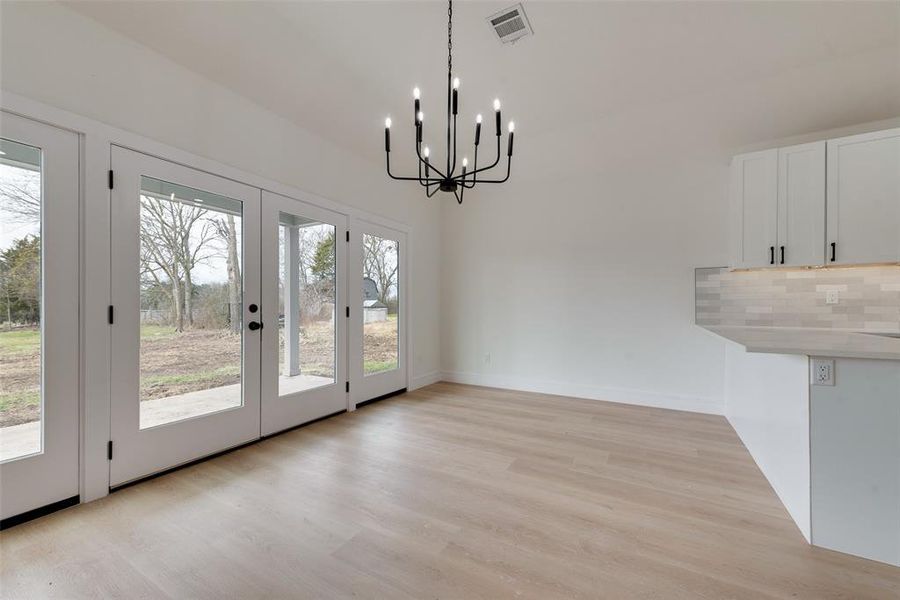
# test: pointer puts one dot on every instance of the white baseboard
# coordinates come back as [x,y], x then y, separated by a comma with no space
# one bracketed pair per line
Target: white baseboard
[590,392]
[422,380]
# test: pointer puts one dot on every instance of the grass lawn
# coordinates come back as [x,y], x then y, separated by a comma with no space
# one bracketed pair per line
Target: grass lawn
[174,363]
[20,375]
[156,332]
[17,341]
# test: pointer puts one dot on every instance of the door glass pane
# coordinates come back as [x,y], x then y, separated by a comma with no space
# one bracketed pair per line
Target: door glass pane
[380,304]
[20,300]
[191,306]
[306,304]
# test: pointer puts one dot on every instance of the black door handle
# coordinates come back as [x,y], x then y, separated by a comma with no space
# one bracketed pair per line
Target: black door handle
[782,255]
[771,255]
[253,325]
[833,251]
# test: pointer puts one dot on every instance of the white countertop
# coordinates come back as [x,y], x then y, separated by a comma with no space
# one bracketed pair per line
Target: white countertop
[812,342]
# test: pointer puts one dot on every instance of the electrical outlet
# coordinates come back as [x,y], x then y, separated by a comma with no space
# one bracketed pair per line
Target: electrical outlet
[832,297]
[822,371]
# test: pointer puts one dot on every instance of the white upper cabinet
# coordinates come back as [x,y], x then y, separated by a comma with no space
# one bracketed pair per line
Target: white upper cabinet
[864,198]
[754,201]
[801,205]
[834,202]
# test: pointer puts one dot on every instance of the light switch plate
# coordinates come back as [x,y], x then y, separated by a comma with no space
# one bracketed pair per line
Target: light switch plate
[821,371]
[832,297]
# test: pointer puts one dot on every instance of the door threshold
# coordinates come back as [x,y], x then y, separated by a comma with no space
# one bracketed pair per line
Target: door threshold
[382,397]
[36,513]
[191,463]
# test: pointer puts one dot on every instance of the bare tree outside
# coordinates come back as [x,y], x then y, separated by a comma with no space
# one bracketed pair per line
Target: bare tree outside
[175,239]
[381,336]
[191,306]
[227,231]
[380,264]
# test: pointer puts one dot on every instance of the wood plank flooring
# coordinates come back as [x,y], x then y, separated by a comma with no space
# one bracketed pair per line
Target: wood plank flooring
[449,492]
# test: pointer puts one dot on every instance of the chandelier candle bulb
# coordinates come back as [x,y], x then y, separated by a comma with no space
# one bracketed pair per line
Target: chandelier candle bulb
[477,129]
[509,146]
[427,162]
[497,115]
[387,134]
[419,132]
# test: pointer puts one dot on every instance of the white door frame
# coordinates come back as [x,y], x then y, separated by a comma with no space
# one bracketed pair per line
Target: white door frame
[52,475]
[367,387]
[283,412]
[97,140]
[140,452]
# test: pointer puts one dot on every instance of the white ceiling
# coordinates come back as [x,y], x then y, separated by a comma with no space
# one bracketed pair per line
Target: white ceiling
[735,72]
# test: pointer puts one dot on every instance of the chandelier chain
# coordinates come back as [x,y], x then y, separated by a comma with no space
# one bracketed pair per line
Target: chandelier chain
[450,37]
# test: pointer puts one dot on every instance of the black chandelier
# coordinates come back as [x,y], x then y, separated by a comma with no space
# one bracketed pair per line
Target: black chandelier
[448,180]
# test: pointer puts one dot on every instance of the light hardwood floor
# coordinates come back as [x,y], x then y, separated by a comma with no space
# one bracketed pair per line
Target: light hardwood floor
[449,492]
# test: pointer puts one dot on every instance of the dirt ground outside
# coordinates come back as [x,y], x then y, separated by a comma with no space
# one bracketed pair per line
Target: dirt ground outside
[175,363]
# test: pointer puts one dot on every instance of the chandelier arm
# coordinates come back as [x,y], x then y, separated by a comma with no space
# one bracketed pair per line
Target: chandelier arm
[463,179]
[428,180]
[422,181]
[492,165]
[458,197]
[400,178]
[430,166]
[449,167]
[508,169]
[429,194]
[453,168]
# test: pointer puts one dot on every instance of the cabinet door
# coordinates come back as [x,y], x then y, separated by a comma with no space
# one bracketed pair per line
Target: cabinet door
[754,200]
[801,205]
[864,198]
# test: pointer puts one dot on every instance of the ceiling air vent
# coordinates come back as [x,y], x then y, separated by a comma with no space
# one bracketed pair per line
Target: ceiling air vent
[511,24]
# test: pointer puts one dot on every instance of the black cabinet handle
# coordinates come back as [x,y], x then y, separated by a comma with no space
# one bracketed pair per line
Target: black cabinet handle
[782,255]
[771,255]
[253,325]
[833,251]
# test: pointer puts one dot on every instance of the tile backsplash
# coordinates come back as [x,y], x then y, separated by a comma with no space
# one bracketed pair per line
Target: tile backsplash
[868,298]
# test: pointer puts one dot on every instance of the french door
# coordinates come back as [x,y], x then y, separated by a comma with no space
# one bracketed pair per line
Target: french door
[38,315]
[238,313]
[304,354]
[378,305]
[187,321]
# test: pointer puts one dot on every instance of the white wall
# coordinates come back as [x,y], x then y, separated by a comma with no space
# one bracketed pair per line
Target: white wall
[767,403]
[582,283]
[56,56]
